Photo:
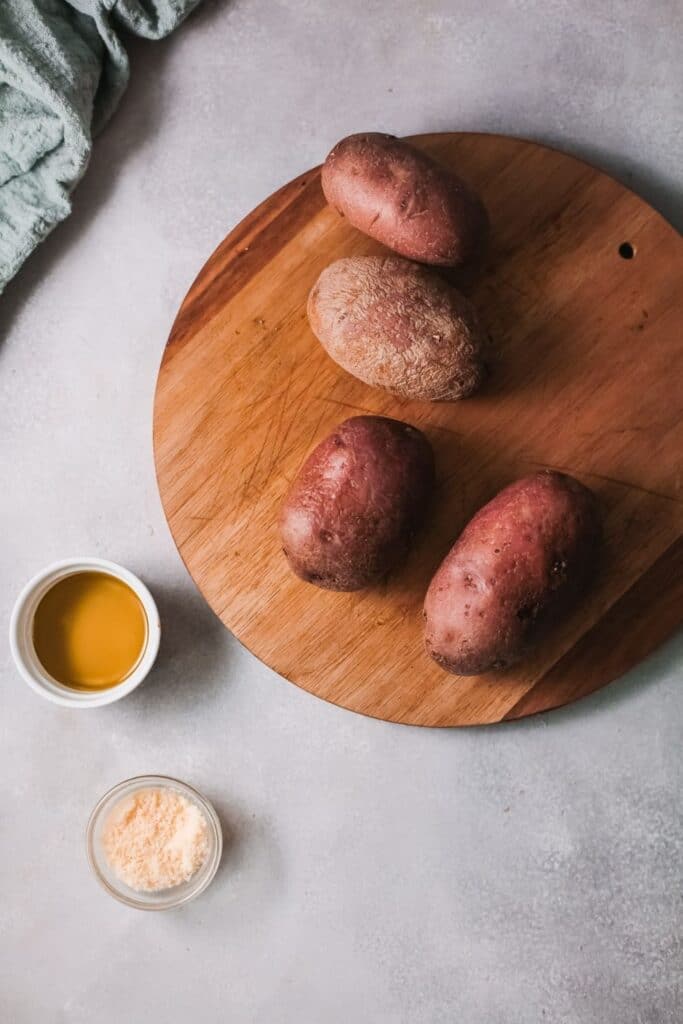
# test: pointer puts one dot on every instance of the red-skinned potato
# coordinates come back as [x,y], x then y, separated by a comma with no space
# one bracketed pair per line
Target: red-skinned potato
[518,566]
[399,196]
[356,503]
[398,326]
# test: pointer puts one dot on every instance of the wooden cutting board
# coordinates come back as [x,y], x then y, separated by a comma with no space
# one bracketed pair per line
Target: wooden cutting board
[581,293]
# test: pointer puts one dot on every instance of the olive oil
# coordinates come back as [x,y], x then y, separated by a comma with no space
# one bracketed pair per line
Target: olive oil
[89,631]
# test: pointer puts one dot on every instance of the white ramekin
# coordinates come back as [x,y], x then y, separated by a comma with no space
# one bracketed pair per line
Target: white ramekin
[21,634]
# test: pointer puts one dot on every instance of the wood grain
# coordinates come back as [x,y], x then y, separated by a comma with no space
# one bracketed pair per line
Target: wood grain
[587,378]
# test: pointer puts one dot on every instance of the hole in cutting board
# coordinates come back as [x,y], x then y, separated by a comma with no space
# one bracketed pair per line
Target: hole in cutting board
[626,251]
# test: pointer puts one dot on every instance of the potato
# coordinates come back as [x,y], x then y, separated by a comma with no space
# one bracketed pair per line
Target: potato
[398,326]
[353,508]
[517,567]
[402,198]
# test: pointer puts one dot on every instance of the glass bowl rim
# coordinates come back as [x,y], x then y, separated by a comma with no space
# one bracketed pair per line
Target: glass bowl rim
[213,859]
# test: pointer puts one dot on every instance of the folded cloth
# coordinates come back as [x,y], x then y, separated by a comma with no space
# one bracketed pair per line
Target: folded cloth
[62,73]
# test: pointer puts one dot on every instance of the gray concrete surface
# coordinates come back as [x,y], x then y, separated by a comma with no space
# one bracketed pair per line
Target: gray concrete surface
[520,874]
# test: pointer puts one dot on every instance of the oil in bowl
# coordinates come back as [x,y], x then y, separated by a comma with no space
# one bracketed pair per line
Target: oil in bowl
[84,632]
[89,631]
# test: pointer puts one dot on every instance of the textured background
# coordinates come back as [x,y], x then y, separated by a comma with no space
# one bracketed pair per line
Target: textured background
[374,873]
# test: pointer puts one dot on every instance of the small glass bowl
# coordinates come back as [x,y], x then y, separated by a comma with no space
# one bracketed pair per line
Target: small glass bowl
[165,899]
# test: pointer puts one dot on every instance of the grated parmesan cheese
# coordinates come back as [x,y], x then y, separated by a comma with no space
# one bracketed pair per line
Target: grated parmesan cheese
[155,839]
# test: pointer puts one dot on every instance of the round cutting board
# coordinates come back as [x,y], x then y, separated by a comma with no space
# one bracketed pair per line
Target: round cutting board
[581,293]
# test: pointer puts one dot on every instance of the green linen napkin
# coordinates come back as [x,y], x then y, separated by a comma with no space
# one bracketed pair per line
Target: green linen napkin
[63,70]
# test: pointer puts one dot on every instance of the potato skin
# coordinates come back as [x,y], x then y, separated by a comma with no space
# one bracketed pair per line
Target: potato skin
[360,496]
[398,326]
[399,196]
[517,567]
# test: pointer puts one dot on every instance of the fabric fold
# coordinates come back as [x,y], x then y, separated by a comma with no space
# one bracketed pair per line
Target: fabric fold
[63,70]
